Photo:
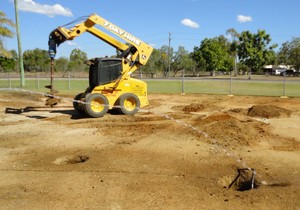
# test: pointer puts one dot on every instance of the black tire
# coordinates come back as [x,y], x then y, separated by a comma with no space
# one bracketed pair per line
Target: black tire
[78,106]
[96,105]
[129,104]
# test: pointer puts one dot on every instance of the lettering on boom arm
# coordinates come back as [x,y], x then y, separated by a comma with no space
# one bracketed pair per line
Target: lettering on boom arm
[122,33]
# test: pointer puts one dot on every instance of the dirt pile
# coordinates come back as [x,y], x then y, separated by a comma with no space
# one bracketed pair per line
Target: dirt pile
[198,107]
[268,111]
[194,107]
[230,131]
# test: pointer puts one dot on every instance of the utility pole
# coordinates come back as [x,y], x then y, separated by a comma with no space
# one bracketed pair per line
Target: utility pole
[169,54]
[21,66]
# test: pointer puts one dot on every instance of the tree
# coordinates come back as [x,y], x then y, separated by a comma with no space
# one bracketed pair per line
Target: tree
[289,53]
[213,55]
[154,64]
[77,58]
[255,51]
[36,60]
[183,61]
[166,58]
[8,64]
[283,54]
[5,32]
[61,64]
[234,35]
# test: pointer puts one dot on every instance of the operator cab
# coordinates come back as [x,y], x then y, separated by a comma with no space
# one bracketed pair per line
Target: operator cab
[103,70]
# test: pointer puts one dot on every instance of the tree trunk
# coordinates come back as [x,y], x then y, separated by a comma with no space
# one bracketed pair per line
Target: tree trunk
[213,73]
[250,73]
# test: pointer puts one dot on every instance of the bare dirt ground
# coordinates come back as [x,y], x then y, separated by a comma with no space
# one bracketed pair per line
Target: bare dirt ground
[181,152]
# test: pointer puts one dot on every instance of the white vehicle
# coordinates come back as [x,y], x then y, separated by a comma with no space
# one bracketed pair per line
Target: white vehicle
[278,71]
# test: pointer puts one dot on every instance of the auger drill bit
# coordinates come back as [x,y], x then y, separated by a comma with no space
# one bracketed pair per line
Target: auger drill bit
[51,99]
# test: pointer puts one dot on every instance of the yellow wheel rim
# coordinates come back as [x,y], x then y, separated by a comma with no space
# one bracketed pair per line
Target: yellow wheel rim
[129,104]
[97,105]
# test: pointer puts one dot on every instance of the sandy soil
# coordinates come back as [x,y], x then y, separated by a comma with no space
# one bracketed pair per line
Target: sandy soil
[181,152]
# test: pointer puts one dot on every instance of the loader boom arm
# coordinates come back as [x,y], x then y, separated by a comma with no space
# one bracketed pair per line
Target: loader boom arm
[137,53]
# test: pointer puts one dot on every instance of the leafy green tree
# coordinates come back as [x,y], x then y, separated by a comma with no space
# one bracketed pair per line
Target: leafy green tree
[289,53]
[199,59]
[183,61]
[36,60]
[233,35]
[5,32]
[166,59]
[213,55]
[61,64]
[255,51]
[8,64]
[77,58]
[154,64]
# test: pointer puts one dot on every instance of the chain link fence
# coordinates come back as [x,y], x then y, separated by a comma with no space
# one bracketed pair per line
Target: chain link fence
[258,85]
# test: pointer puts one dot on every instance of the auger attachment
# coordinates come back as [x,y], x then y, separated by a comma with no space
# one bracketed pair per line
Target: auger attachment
[51,99]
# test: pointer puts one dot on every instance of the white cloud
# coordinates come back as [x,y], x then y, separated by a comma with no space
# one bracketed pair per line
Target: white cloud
[71,43]
[152,44]
[45,9]
[190,23]
[244,19]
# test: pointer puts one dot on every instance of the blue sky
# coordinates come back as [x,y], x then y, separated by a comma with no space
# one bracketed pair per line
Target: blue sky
[188,21]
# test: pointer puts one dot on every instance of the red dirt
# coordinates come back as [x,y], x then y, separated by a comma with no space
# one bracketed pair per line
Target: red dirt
[181,152]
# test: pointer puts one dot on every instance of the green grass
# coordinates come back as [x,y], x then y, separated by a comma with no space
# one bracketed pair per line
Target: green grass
[223,87]
[63,86]
[238,87]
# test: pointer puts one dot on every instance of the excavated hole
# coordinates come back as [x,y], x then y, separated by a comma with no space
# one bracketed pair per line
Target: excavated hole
[245,180]
[78,159]
[71,160]
[246,185]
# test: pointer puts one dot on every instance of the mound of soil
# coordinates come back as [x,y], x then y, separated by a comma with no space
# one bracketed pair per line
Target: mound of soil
[268,111]
[197,107]
[230,131]
[193,108]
